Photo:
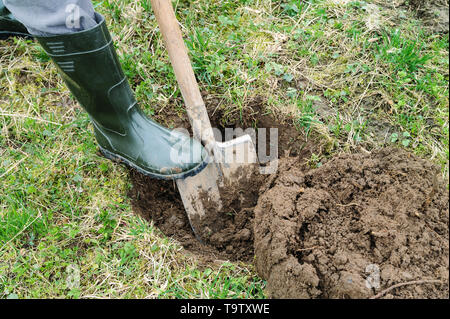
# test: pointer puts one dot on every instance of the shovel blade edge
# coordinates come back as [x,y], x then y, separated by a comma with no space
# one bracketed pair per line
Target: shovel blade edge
[201,193]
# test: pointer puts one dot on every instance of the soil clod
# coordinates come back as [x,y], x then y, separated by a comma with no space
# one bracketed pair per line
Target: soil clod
[353,227]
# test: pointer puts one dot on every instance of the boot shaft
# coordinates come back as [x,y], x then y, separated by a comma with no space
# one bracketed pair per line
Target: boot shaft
[89,65]
[9,26]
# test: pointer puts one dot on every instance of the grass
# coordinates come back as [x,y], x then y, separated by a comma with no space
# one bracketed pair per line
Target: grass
[354,73]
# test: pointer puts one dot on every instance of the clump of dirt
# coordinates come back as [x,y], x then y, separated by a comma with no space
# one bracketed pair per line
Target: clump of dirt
[232,237]
[354,227]
[434,12]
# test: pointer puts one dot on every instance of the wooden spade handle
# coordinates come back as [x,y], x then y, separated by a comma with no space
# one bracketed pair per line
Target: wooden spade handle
[184,73]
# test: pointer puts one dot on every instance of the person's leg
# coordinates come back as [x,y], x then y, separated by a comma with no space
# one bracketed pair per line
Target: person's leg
[9,26]
[53,17]
[87,61]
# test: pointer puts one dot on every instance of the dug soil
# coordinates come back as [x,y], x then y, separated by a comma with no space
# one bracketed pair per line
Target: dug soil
[352,228]
[357,225]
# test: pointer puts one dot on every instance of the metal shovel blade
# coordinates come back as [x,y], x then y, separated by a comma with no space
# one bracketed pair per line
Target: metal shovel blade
[201,193]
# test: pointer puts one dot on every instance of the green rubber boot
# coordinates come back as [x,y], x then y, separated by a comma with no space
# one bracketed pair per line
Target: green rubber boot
[89,65]
[9,26]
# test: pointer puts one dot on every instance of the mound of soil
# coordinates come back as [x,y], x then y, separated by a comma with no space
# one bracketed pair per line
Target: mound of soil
[357,225]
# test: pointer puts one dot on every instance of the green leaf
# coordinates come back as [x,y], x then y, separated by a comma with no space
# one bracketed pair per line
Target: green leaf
[77,178]
[394,137]
[288,77]
[207,272]
[31,189]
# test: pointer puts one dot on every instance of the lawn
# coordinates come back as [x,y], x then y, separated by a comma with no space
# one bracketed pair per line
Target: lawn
[353,74]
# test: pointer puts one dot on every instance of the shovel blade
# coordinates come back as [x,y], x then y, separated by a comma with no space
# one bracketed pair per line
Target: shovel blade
[234,161]
[237,159]
[199,193]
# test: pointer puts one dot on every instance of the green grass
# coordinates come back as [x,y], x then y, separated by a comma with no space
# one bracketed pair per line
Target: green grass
[346,80]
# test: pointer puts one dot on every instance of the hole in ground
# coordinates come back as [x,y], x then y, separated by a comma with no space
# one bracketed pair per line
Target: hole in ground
[160,202]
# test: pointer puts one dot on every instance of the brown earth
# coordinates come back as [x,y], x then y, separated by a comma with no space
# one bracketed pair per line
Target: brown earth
[160,202]
[321,233]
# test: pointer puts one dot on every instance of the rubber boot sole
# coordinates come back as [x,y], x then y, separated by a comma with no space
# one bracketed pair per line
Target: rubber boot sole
[119,159]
